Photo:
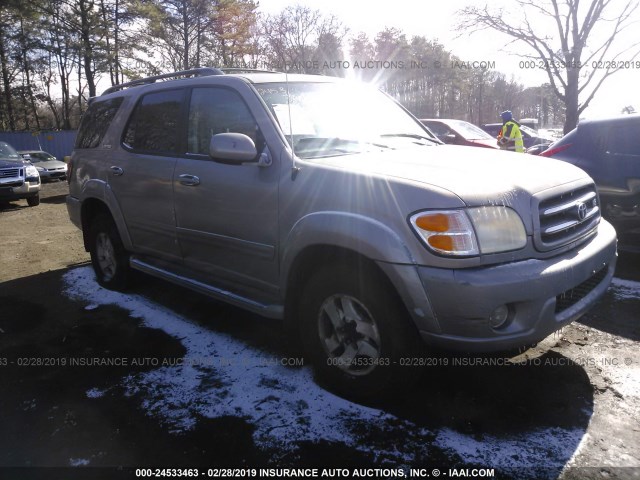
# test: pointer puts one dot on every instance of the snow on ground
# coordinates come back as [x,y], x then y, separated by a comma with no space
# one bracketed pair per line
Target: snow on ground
[221,376]
[623,370]
[625,289]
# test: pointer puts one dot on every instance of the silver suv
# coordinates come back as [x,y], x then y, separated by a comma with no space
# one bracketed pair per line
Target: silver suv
[324,203]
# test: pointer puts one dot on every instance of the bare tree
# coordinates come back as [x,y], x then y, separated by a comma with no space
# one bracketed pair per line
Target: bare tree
[177,29]
[294,36]
[564,36]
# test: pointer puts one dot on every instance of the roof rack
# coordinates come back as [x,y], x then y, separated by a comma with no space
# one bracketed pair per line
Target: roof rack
[245,70]
[194,72]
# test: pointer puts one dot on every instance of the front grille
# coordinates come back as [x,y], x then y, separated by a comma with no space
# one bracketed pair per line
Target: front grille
[574,295]
[566,217]
[10,172]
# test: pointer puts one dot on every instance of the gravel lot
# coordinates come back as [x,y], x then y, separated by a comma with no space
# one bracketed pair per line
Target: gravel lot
[163,377]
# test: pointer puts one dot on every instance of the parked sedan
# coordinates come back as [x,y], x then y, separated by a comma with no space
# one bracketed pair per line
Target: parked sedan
[49,167]
[609,151]
[459,132]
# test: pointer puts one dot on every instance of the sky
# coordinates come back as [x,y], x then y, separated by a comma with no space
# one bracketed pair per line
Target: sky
[437,20]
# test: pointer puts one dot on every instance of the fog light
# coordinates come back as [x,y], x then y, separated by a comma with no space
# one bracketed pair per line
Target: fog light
[499,316]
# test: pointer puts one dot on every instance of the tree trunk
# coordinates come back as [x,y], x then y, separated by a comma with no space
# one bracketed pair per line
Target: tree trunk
[6,82]
[87,47]
[571,100]
[27,72]
[185,33]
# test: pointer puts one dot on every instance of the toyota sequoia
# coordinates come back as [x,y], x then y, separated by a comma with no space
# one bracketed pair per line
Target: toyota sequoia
[324,203]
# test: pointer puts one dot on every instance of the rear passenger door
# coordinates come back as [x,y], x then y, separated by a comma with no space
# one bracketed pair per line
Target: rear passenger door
[621,175]
[226,214]
[141,176]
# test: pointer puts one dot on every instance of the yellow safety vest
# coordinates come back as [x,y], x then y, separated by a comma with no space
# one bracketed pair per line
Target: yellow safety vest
[510,137]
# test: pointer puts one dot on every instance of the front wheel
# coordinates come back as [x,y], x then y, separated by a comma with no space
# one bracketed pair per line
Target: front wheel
[356,332]
[109,258]
[34,201]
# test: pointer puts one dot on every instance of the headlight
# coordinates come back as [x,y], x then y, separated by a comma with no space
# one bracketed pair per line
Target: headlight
[471,231]
[31,171]
[40,169]
[499,229]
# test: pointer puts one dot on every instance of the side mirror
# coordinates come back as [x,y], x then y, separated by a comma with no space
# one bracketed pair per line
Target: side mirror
[232,147]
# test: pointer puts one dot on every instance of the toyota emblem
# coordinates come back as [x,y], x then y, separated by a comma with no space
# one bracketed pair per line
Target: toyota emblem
[581,209]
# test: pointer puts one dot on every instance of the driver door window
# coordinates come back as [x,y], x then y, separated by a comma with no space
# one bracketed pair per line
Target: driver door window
[218,110]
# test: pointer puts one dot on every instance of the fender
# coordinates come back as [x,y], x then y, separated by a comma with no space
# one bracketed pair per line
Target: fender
[371,239]
[100,190]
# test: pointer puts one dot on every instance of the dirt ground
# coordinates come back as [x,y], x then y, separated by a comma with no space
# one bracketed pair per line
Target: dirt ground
[584,380]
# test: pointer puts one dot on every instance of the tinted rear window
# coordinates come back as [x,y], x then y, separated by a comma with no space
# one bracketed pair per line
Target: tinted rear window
[154,123]
[96,121]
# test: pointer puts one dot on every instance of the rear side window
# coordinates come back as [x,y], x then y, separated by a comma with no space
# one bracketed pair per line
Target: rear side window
[154,123]
[96,121]
[624,139]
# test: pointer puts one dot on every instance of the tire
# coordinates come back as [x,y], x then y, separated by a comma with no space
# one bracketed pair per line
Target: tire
[109,258]
[34,201]
[355,331]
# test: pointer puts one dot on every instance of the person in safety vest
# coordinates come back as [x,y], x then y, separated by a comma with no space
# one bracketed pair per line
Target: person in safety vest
[510,136]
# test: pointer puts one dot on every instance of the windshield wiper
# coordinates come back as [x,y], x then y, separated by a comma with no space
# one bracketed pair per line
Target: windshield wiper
[333,144]
[411,135]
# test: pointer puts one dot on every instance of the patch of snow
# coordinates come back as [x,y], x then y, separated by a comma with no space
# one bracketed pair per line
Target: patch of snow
[78,462]
[95,393]
[625,289]
[91,306]
[221,376]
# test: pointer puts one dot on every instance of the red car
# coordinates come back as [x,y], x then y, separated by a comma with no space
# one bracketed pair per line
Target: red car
[459,132]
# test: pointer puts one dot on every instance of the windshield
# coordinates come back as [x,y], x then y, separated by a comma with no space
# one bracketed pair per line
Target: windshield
[470,131]
[36,157]
[332,119]
[7,152]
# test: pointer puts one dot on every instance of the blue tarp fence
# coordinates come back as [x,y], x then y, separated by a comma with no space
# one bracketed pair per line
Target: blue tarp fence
[57,143]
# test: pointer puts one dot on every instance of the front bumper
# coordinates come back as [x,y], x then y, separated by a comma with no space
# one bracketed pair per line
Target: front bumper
[18,190]
[51,175]
[542,296]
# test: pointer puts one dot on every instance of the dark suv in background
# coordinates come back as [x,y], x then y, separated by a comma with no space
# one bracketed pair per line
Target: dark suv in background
[609,151]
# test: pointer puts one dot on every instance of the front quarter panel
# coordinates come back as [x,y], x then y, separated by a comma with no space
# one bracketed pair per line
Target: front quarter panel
[371,239]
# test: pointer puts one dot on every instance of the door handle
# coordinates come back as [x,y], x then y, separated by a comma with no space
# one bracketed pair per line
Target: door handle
[117,171]
[189,180]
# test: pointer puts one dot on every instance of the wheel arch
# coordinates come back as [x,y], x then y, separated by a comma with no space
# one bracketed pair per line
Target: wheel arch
[324,237]
[98,198]
[311,259]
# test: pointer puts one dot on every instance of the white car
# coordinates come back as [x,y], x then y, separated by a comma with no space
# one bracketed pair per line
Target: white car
[48,166]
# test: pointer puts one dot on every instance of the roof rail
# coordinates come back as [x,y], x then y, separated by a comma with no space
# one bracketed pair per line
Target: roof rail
[194,72]
[245,70]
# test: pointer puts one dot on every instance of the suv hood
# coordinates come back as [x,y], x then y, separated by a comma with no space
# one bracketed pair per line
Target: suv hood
[478,176]
[49,164]
[4,163]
